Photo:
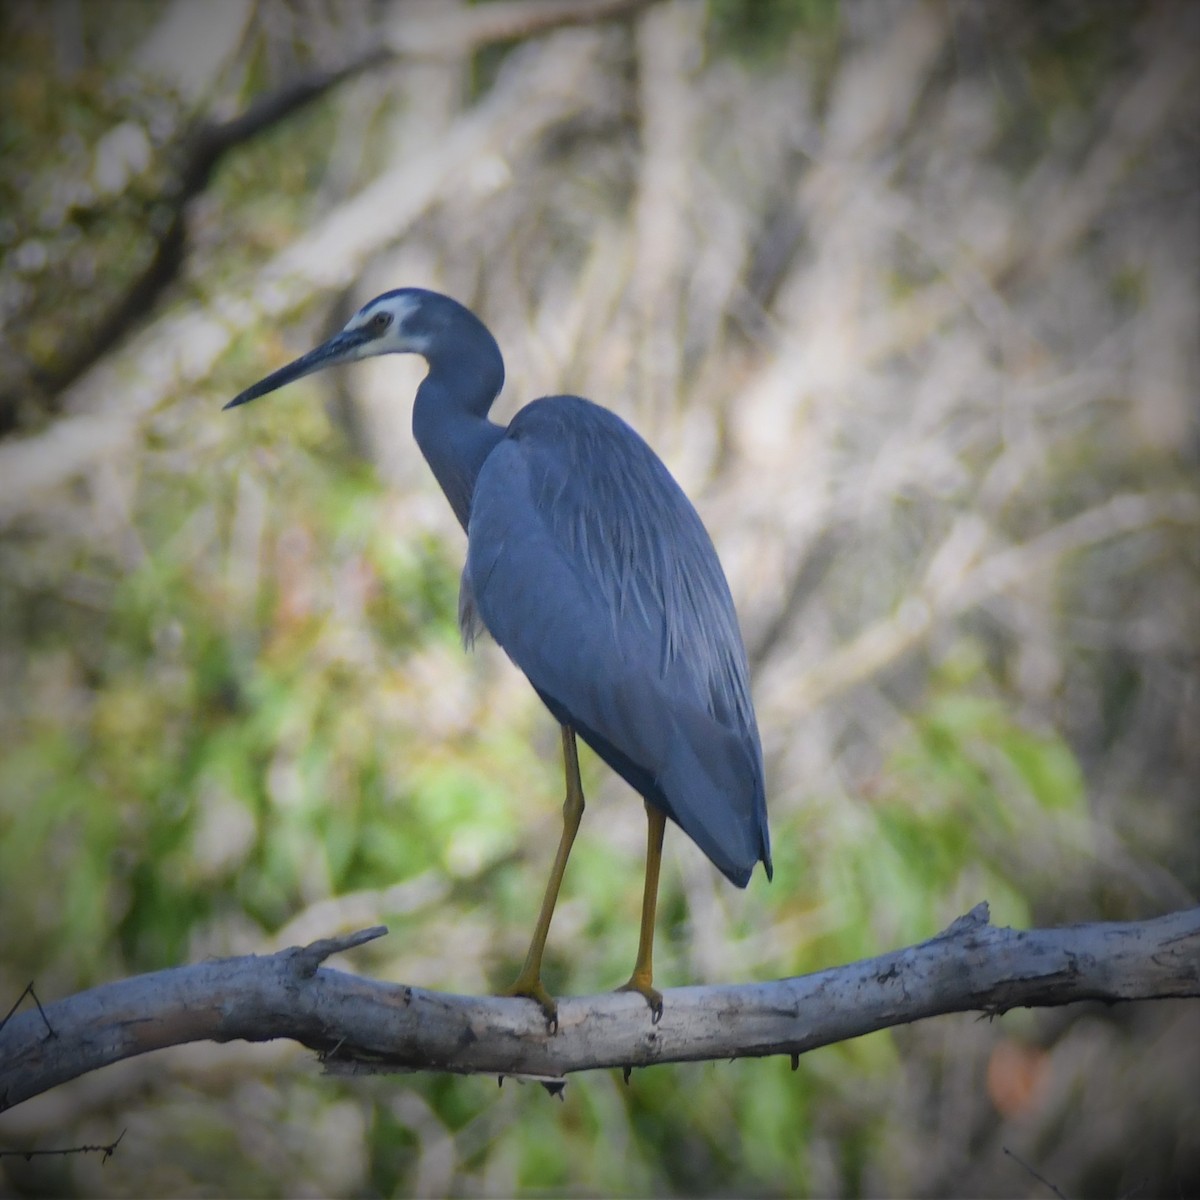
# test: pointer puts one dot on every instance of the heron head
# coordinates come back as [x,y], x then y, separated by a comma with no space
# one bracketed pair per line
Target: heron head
[395,323]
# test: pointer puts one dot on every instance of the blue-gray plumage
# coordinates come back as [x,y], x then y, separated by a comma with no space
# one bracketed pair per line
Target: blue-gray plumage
[589,566]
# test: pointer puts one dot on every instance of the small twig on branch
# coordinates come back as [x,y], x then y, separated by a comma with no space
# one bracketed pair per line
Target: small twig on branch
[363,1026]
[308,958]
[108,1151]
[17,1004]
[1040,1178]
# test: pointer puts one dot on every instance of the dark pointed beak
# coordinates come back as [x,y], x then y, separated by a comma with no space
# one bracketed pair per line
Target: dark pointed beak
[339,348]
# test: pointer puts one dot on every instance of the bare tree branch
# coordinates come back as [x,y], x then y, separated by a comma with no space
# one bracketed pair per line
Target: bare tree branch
[107,404]
[360,1024]
[439,30]
[435,30]
[958,581]
[105,1151]
[199,153]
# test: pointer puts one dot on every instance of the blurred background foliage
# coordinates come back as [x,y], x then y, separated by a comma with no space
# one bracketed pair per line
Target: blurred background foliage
[907,296]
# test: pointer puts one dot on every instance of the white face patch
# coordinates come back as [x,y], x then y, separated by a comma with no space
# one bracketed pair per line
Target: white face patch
[398,306]
[394,338]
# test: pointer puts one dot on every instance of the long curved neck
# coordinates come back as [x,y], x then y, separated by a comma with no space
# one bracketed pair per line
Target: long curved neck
[450,421]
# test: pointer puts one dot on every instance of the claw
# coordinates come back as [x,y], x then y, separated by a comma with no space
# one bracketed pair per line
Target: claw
[651,995]
[532,989]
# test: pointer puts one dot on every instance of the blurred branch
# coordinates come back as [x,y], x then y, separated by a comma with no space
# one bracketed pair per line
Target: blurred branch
[434,31]
[359,1024]
[1071,202]
[953,584]
[200,152]
[178,350]
[450,31]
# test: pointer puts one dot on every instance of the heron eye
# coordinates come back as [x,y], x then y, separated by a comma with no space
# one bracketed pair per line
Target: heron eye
[379,322]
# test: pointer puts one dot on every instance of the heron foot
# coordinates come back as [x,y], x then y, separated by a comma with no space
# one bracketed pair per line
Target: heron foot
[532,989]
[639,982]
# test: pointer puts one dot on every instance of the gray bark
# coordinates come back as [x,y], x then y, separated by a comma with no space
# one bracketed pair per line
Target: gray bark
[359,1024]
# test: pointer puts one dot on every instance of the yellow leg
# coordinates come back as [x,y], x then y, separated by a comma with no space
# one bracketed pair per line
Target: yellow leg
[529,981]
[643,970]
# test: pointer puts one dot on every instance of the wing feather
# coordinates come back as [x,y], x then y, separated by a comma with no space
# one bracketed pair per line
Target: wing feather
[592,570]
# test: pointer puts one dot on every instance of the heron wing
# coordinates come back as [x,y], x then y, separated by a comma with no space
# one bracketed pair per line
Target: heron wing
[592,570]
